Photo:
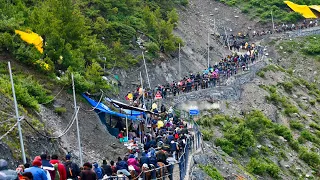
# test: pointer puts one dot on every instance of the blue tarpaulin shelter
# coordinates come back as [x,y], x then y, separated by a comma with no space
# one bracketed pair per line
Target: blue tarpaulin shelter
[103,108]
[129,109]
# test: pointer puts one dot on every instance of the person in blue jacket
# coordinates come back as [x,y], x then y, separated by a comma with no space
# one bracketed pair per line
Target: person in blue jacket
[122,167]
[37,172]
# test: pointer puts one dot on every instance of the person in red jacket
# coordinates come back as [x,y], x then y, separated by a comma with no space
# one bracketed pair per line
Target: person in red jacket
[61,168]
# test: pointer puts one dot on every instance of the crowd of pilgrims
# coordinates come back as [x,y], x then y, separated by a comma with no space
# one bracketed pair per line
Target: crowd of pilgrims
[152,155]
[208,78]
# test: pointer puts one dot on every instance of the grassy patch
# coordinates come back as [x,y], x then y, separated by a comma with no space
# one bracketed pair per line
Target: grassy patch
[261,167]
[60,110]
[212,172]
[296,125]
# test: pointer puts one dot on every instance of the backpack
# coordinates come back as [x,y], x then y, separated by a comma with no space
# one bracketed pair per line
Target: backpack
[173,146]
[153,160]
[57,176]
[70,170]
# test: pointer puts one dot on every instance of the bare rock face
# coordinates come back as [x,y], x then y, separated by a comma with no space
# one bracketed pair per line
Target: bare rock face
[97,143]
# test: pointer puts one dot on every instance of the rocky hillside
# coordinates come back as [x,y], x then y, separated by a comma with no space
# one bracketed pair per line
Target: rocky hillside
[49,121]
[263,124]
[272,130]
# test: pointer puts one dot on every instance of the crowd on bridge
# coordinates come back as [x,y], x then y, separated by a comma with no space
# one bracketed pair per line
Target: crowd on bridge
[152,152]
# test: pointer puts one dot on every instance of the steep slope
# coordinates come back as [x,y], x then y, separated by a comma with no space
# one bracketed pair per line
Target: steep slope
[285,143]
[49,121]
[196,21]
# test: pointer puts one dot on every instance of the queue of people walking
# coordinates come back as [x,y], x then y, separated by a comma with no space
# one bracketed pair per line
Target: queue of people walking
[209,78]
[163,141]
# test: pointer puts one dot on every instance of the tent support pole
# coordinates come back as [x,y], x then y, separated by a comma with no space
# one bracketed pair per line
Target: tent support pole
[127,128]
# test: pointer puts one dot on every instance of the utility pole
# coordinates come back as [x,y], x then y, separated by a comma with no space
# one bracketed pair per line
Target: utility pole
[17,115]
[214,25]
[142,89]
[76,116]
[145,66]
[179,63]
[272,21]
[227,40]
[208,48]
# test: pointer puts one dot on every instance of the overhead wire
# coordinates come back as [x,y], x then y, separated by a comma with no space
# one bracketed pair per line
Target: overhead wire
[54,96]
[11,129]
[6,113]
[63,133]
[8,120]
[102,93]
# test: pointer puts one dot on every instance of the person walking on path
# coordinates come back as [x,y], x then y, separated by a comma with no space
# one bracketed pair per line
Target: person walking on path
[61,168]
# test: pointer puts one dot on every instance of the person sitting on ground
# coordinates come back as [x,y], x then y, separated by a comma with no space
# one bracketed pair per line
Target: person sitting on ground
[106,168]
[87,173]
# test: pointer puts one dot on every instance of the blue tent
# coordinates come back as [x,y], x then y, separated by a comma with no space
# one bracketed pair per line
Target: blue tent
[103,108]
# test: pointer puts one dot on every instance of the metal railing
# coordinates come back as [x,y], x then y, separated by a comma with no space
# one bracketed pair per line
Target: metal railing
[174,171]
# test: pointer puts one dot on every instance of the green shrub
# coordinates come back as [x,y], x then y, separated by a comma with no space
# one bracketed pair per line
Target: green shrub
[290,110]
[311,158]
[212,172]
[309,136]
[312,102]
[261,74]
[152,48]
[288,86]
[225,145]
[315,126]
[241,137]
[295,145]
[261,167]
[296,125]
[283,131]
[207,134]
[60,110]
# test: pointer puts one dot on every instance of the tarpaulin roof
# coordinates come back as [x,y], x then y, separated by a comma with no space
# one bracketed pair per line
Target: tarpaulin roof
[126,106]
[315,7]
[103,108]
[31,38]
[304,10]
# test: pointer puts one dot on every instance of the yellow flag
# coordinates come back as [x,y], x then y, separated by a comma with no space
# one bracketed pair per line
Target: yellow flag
[304,10]
[31,38]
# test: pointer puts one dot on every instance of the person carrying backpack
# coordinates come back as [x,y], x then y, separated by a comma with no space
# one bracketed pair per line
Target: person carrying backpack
[72,169]
[174,148]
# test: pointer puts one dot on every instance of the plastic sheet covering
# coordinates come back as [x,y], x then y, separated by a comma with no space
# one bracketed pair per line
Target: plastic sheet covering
[31,38]
[315,7]
[304,10]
